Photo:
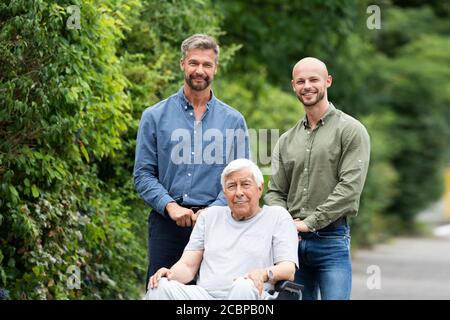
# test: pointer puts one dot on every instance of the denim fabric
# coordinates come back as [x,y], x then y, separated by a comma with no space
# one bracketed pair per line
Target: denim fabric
[325,264]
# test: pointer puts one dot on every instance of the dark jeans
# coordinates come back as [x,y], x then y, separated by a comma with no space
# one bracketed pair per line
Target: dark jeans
[325,263]
[166,242]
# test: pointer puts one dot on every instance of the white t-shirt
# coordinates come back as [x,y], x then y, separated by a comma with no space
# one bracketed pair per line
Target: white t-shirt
[232,248]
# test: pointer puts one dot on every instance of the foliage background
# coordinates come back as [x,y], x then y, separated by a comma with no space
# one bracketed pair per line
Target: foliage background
[71,100]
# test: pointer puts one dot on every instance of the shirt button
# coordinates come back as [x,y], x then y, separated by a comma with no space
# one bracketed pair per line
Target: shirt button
[307,150]
[185,107]
[306,169]
[190,113]
[189,174]
[308,132]
[192,152]
[304,189]
[185,195]
[195,131]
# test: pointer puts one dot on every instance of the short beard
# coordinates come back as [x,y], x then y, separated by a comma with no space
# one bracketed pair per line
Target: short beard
[201,87]
[320,96]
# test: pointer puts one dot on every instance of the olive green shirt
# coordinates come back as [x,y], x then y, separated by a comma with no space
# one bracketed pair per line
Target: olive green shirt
[318,175]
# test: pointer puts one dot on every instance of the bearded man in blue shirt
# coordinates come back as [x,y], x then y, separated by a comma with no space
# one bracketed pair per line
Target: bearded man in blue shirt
[183,144]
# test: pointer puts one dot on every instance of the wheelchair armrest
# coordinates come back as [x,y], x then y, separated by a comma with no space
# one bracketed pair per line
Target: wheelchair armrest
[288,286]
[288,290]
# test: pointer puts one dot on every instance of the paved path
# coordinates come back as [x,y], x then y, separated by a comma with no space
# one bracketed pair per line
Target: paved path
[409,268]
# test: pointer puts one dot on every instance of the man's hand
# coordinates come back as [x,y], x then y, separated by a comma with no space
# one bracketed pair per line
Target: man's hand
[258,277]
[163,272]
[182,216]
[301,226]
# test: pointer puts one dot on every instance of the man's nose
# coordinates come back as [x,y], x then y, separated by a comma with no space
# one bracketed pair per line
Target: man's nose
[307,84]
[199,69]
[239,191]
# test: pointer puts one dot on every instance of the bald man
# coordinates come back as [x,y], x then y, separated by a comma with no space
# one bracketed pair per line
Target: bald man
[318,172]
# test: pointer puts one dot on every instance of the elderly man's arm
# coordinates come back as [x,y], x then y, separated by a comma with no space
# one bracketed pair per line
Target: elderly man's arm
[284,244]
[284,270]
[183,271]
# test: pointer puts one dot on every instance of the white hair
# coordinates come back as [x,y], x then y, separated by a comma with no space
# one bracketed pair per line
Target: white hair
[238,165]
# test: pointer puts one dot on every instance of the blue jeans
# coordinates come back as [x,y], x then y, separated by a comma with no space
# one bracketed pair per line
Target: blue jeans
[325,264]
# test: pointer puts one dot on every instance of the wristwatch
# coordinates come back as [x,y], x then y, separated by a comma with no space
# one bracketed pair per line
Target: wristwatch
[270,275]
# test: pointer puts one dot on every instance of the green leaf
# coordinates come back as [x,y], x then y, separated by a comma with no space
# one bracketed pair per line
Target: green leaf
[35,191]
[38,270]
[84,151]
[13,191]
[11,262]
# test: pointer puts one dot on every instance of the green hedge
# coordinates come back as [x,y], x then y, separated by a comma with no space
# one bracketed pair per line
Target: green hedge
[63,110]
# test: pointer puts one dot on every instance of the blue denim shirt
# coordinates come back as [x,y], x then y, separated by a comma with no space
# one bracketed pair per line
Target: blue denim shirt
[180,160]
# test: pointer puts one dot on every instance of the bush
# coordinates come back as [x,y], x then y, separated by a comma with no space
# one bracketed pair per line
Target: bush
[63,110]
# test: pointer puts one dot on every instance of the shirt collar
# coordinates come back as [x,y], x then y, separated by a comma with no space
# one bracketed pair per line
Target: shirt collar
[184,102]
[323,119]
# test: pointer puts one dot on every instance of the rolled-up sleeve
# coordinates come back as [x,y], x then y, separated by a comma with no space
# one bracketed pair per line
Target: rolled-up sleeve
[146,166]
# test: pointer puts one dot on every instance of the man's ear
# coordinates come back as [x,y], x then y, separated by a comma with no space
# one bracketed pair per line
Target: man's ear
[182,64]
[217,68]
[329,81]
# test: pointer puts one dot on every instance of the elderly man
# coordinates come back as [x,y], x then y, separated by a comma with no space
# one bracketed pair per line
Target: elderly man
[238,251]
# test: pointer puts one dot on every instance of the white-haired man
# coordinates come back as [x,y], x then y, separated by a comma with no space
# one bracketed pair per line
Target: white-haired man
[238,251]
